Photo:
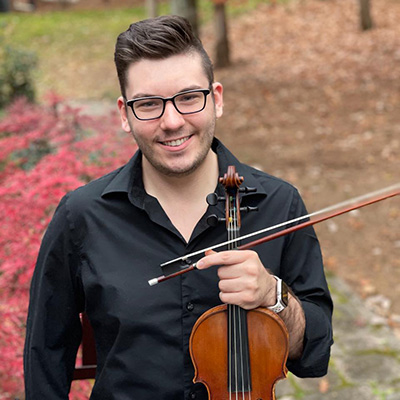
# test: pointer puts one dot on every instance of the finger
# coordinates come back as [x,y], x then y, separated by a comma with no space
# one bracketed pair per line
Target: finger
[246,302]
[204,262]
[230,271]
[229,257]
[234,285]
[250,267]
[239,283]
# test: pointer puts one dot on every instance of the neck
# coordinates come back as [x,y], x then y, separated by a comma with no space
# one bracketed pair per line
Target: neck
[183,198]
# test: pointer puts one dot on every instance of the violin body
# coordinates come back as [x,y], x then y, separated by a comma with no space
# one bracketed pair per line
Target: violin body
[267,346]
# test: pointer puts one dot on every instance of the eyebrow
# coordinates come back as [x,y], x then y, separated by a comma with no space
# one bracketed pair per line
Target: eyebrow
[139,95]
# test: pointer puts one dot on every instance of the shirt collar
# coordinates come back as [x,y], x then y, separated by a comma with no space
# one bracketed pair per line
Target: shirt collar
[128,178]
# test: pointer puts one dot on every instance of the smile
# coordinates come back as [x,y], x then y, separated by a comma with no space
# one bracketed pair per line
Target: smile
[177,142]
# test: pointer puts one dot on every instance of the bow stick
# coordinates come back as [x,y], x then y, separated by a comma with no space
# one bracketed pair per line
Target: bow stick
[325,213]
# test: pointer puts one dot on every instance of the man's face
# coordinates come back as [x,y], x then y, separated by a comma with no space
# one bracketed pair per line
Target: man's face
[173,144]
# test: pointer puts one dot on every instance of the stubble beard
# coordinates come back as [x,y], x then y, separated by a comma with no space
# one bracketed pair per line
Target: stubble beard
[205,142]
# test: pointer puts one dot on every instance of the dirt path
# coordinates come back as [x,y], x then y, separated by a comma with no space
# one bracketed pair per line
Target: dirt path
[313,100]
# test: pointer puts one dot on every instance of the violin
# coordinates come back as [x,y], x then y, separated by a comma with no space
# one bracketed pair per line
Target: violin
[238,354]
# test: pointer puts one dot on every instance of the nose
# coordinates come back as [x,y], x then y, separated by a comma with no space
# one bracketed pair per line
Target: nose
[171,119]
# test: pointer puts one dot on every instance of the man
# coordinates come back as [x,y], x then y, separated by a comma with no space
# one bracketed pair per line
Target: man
[108,238]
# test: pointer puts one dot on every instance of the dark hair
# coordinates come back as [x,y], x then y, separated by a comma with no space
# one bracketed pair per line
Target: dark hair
[157,38]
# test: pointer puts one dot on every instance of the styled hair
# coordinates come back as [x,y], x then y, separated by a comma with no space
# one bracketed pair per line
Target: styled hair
[156,39]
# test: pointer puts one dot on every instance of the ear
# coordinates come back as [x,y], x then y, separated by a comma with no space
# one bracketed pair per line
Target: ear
[218,98]
[123,112]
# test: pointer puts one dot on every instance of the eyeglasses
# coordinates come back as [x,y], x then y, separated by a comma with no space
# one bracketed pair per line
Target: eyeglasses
[153,107]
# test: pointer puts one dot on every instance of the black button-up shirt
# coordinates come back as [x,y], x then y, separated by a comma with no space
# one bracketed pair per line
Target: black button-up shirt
[106,240]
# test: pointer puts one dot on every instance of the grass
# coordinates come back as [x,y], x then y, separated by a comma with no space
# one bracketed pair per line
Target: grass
[386,352]
[75,48]
[382,394]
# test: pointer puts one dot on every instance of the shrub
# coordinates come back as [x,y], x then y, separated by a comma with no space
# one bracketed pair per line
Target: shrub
[46,151]
[16,73]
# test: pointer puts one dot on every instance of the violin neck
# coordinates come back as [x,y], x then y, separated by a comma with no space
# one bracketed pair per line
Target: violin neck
[239,376]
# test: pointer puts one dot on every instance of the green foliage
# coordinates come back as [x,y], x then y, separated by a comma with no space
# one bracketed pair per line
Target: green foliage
[72,46]
[69,28]
[27,158]
[16,68]
[78,45]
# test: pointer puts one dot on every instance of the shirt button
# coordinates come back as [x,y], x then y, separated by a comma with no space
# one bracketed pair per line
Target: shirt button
[190,307]
[192,395]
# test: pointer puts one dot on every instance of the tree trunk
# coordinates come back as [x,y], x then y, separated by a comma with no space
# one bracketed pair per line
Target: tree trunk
[222,57]
[365,15]
[4,6]
[187,9]
[152,8]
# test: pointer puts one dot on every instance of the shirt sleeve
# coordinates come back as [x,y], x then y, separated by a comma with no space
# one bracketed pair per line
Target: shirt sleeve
[53,325]
[302,270]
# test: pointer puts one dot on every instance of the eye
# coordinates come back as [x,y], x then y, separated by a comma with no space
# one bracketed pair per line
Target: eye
[189,97]
[147,104]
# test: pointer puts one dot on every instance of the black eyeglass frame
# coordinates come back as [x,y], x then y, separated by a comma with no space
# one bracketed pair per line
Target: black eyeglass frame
[131,102]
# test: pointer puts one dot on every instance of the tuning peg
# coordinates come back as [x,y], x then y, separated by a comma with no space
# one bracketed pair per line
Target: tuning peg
[212,220]
[248,209]
[212,199]
[247,189]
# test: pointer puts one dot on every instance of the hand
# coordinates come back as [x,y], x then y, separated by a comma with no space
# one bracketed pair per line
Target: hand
[244,281]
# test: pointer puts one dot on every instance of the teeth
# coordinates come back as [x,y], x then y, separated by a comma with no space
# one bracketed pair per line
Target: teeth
[178,142]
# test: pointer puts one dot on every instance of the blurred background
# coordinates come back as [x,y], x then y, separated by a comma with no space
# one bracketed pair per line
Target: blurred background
[312,95]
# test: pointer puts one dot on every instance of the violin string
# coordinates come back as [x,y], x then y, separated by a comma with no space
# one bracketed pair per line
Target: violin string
[235,324]
[240,344]
[292,221]
[235,346]
[239,328]
[230,318]
[232,322]
[234,220]
[246,362]
[230,351]
[241,333]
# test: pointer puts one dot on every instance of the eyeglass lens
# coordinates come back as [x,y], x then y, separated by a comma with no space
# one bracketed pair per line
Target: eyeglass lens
[185,103]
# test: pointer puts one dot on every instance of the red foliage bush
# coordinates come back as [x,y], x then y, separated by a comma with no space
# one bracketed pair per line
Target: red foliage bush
[45,151]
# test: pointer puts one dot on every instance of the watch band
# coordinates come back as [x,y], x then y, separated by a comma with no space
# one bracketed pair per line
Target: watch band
[281,296]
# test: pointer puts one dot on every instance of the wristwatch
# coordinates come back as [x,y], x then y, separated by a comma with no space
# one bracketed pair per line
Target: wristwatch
[282,296]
